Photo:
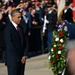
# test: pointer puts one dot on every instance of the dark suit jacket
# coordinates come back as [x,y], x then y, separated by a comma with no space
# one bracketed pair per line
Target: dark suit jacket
[2,26]
[28,15]
[6,18]
[15,50]
[26,30]
[35,18]
[25,26]
[52,18]
[68,15]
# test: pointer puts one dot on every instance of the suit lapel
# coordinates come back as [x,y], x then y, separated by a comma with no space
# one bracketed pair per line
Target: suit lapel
[14,31]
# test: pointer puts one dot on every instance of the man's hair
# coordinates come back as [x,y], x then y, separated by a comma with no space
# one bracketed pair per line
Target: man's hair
[14,12]
[70,44]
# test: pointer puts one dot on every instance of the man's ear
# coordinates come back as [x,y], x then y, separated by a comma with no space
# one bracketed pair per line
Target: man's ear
[12,17]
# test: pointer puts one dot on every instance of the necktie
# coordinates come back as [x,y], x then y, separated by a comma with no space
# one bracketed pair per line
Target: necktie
[19,32]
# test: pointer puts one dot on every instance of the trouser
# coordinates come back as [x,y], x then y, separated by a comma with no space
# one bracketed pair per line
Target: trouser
[16,70]
[2,54]
[49,39]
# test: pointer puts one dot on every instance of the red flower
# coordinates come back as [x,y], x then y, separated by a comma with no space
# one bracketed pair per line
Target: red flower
[57,56]
[54,49]
[58,41]
[52,43]
[60,47]
[61,34]
[52,63]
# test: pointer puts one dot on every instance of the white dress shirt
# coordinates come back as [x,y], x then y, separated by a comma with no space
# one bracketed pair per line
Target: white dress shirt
[9,17]
[65,10]
[25,18]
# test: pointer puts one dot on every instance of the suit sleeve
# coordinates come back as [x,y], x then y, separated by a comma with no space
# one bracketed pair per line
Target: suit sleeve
[26,46]
[29,16]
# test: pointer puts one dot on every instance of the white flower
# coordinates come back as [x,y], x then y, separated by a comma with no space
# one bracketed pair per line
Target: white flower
[57,39]
[54,45]
[59,29]
[65,28]
[60,26]
[64,60]
[49,57]
[61,40]
[60,72]
[63,23]
[68,34]
[52,50]
[55,36]
[52,55]
[59,52]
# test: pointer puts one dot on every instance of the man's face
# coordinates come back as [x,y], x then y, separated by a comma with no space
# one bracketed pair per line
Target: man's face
[16,18]
[66,7]
[71,60]
[33,11]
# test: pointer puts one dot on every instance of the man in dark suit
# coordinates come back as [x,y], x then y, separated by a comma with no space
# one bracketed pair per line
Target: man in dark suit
[25,21]
[67,13]
[27,15]
[51,26]
[2,42]
[25,25]
[15,45]
[35,31]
